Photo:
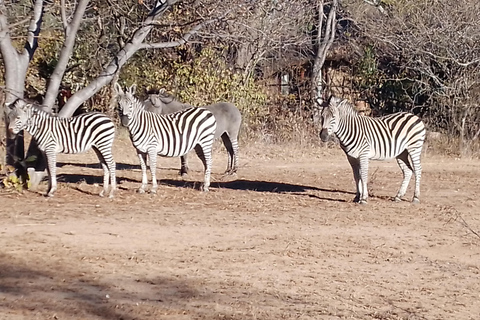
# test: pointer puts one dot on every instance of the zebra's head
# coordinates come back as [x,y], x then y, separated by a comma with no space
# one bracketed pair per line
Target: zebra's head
[126,103]
[20,116]
[329,118]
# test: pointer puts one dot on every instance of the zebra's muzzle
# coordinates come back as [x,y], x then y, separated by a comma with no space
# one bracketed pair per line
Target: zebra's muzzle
[324,135]
[12,133]
[124,121]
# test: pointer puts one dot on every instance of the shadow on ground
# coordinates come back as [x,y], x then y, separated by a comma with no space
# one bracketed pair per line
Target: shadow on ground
[32,288]
[240,184]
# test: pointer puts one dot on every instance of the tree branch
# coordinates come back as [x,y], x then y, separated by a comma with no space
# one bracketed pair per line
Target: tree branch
[34,29]
[184,39]
[64,16]
[71,30]
[118,61]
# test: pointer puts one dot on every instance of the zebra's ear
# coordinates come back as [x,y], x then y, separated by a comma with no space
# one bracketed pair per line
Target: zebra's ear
[21,104]
[333,102]
[10,105]
[132,89]
[118,88]
[156,102]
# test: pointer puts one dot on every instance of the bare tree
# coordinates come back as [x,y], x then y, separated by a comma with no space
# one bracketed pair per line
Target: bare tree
[433,46]
[326,29]
[16,63]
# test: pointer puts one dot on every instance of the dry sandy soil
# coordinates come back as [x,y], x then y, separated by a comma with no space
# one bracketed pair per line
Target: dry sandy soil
[281,240]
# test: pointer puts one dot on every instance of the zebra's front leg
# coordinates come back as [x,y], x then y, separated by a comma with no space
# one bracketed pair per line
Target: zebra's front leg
[363,172]
[52,172]
[183,165]
[143,159]
[355,164]
[404,164]
[152,157]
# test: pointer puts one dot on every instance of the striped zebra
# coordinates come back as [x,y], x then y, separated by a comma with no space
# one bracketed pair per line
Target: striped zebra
[67,135]
[399,135]
[170,135]
[227,116]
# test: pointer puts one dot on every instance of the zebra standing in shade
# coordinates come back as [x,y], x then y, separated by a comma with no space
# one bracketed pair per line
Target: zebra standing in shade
[171,135]
[67,135]
[399,135]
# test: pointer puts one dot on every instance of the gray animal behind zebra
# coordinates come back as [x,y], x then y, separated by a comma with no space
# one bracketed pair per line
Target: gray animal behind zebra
[227,115]
[170,135]
[66,135]
[399,135]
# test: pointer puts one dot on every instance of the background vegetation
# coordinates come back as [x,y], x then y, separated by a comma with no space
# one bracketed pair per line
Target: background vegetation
[394,55]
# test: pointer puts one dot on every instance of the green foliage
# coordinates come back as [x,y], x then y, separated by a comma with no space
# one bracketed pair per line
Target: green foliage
[10,179]
[199,78]
[367,70]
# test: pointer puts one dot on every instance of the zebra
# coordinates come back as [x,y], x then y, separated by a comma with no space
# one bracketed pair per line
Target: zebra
[171,135]
[227,116]
[67,135]
[400,135]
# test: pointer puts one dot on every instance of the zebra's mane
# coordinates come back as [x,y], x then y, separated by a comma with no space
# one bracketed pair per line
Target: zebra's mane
[34,108]
[346,108]
[137,104]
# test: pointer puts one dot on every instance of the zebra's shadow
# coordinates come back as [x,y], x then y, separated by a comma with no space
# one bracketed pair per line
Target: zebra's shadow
[240,184]
[119,165]
[259,186]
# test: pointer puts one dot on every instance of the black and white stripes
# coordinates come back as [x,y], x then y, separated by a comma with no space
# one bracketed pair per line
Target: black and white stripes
[169,135]
[399,136]
[67,135]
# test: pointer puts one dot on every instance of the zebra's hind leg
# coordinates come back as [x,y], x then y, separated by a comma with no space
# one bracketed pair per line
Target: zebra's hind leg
[206,158]
[142,157]
[105,171]
[52,172]
[404,164]
[232,148]
[183,165]
[112,168]
[415,155]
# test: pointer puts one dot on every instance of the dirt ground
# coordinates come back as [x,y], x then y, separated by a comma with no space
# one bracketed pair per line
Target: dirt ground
[281,240]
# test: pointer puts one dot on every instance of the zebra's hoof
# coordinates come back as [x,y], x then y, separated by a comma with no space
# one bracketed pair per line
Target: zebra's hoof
[140,191]
[153,191]
[397,199]
[416,201]
[204,188]
[362,202]
[230,172]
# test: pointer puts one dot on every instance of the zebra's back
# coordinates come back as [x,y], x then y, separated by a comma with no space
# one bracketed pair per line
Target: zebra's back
[387,137]
[173,134]
[80,133]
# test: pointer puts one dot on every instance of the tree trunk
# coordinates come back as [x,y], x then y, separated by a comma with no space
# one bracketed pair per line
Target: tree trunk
[324,40]
[16,65]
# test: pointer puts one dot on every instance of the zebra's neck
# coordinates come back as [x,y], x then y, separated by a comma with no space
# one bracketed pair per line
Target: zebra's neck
[37,124]
[347,121]
[138,108]
[345,109]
